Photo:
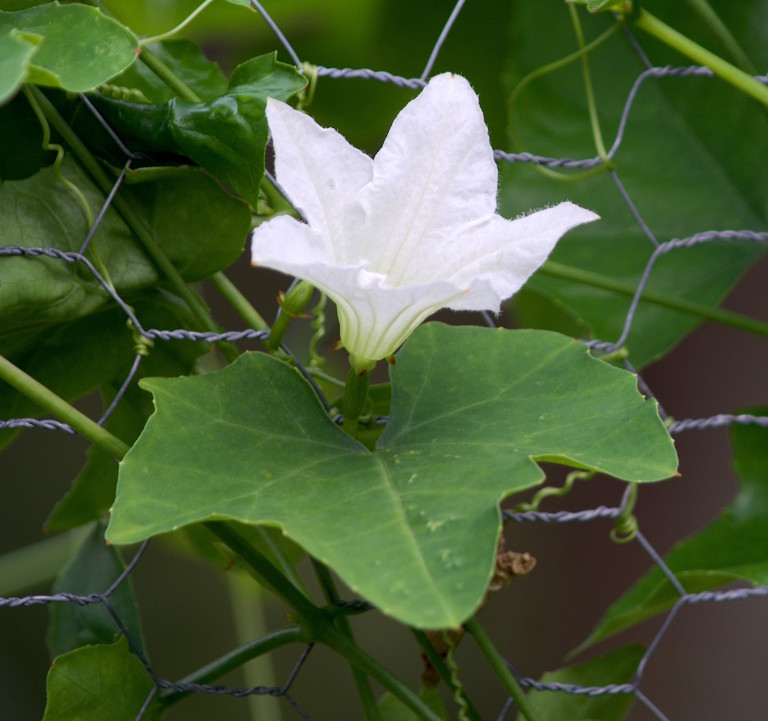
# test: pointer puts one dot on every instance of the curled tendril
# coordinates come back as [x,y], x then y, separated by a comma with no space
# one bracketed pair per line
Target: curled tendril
[626,527]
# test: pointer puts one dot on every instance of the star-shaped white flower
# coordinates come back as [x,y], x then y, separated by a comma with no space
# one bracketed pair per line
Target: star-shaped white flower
[393,239]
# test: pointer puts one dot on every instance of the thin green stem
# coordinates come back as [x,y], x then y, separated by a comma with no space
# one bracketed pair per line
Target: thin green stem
[318,624]
[238,301]
[545,70]
[594,121]
[718,28]
[715,315]
[500,669]
[236,658]
[48,400]
[179,27]
[159,68]
[362,684]
[134,222]
[728,72]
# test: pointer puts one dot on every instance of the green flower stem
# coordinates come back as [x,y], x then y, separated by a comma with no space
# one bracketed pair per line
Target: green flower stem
[718,28]
[500,668]
[355,398]
[318,624]
[134,222]
[362,684]
[236,658]
[292,305]
[730,73]
[715,315]
[48,400]
[445,673]
[238,301]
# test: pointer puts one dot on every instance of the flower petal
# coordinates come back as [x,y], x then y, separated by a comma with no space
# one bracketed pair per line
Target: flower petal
[317,168]
[495,260]
[287,245]
[434,176]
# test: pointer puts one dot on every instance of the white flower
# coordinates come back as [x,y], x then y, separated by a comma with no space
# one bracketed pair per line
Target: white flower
[393,239]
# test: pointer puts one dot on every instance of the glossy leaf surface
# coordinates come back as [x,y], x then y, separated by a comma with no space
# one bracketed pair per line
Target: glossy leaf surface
[225,133]
[79,47]
[412,526]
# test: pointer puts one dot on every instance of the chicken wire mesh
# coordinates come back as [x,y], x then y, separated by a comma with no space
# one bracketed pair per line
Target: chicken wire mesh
[620,515]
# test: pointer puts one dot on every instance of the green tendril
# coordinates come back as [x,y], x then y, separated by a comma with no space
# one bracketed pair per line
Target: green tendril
[626,527]
[307,95]
[581,53]
[59,150]
[456,685]
[553,491]
[141,345]
[318,325]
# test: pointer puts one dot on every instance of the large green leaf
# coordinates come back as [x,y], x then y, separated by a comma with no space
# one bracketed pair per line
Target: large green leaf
[733,548]
[94,569]
[414,525]
[200,227]
[613,668]
[226,134]
[98,683]
[682,172]
[16,51]
[79,47]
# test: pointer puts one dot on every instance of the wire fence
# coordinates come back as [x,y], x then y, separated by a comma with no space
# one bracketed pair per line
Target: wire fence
[591,515]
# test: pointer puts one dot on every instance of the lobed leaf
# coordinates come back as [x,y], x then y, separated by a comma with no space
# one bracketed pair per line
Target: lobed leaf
[412,526]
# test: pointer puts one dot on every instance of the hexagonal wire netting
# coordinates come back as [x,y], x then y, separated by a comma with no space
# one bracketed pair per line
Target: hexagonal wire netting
[656,249]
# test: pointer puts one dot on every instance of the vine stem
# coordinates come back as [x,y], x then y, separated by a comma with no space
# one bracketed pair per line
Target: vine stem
[500,668]
[236,658]
[362,684]
[715,315]
[728,72]
[47,399]
[317,623]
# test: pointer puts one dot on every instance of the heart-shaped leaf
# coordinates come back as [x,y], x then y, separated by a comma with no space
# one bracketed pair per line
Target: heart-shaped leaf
[412,526]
